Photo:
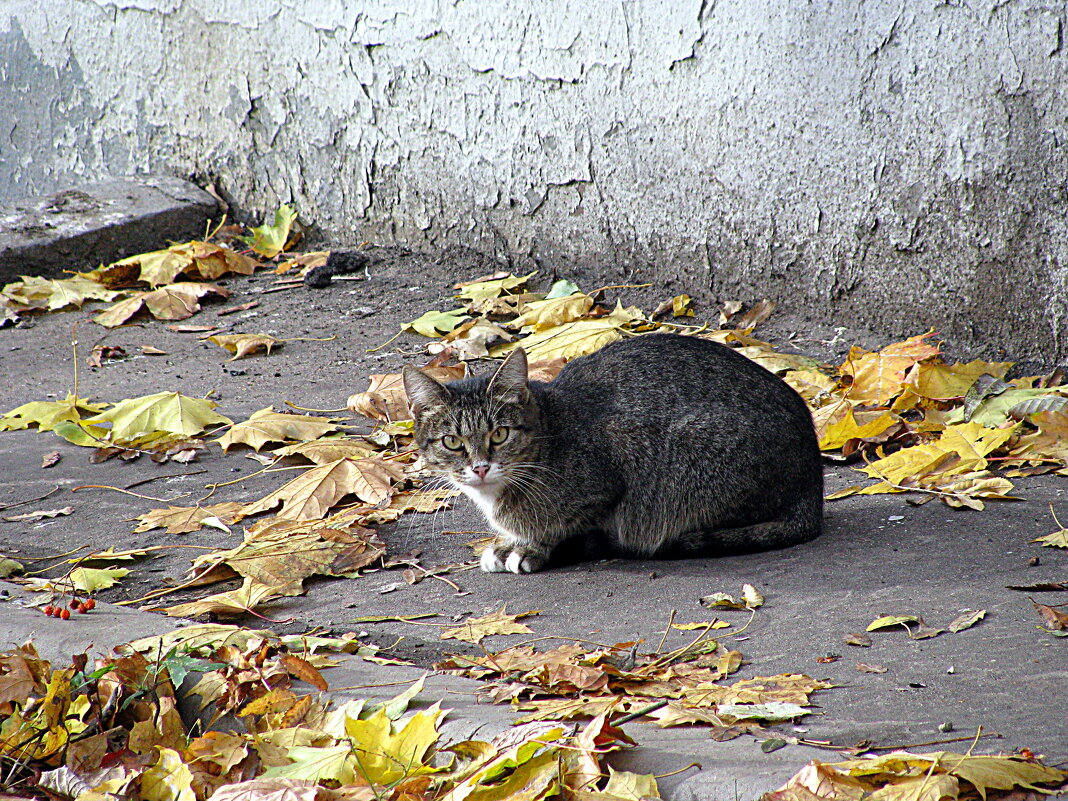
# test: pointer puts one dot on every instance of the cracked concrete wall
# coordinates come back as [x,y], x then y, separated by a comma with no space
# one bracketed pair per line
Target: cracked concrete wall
[897,165]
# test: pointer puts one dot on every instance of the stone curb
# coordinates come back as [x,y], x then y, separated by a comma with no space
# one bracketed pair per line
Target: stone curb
[98,223]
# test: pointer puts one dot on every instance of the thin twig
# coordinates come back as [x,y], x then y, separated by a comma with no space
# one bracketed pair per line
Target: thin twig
[30,500]
[127,492]
[667,628]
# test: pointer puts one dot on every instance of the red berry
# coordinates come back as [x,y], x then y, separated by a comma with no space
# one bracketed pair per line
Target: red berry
[65,614]
[75,603]
[48,609]
[90,603]
[83,608]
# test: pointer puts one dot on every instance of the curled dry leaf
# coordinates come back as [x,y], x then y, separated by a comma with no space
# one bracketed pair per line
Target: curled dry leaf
[384,399]
[246,598]
[242,345]
[184,519]
[171,302]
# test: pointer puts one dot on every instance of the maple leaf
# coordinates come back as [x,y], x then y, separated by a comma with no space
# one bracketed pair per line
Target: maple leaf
[470,340]
[53,294]
[847,428]
[226,604]
[569,340]
[389,753]
[184,519]
[171,302]
[436,323]
[267,425]
[169,779]
[242,345]
[474,629]
[323,451]
[967,443]
[1059,538]
[542,314]
[492,287]
[169,412]
[46,415]
[310,495]
[270,240]
[878,377]
[385,400]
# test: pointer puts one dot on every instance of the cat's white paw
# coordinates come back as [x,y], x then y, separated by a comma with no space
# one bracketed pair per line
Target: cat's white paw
[517,563]
[490,562]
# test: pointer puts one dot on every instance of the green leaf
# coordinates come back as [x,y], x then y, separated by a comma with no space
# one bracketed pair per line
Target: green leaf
[889,621]
[270,240]
[561,289]
[436,323]
[8,567]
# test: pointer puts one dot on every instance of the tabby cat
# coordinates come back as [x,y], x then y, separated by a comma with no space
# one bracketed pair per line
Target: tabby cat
[657,446]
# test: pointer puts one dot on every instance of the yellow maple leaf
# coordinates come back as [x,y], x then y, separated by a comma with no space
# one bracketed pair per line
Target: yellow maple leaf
[878,377]
[171,302]
[839,433]
[267,425]
[493,287]
[541,314]
[386,754]
[310,495]
[969,443]
[476,628]
[323,451]
[46,415]
[169,412]
[569,340]
[384,399]
[184,519]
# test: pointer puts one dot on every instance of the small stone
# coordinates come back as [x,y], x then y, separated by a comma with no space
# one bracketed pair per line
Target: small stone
[946,727]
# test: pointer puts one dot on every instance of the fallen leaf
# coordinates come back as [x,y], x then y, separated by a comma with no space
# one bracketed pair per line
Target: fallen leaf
[758,313]
[99,353]
[890,621]
[860,640]
[42,514]
[46,415]
[751,598]
[1054,618]
[184,519]
[310,495]
[323,451]
[711,624]
[966,619]
[148,350]
[551,312]
[242,345]
[91,579]
[270,240]
[721,600]
[436,323]
[493,287]
[50,294]
[878,377]
[473,630]
[266,425]
[472,339]
[169,412]
[569,340]
[846,428]
[863,668]
[171,302]
[1059,538]
[226,604]
[384,399]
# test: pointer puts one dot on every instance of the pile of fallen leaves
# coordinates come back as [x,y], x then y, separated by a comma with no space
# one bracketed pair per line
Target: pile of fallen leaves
[571,681]
[112,730]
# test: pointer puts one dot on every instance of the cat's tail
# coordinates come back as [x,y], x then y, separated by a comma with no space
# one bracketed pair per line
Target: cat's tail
[804,525]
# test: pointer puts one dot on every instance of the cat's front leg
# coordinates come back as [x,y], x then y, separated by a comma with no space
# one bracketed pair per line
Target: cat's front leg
[508,556]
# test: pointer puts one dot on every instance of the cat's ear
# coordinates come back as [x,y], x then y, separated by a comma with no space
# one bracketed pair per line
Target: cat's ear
[423,392]
[509,383]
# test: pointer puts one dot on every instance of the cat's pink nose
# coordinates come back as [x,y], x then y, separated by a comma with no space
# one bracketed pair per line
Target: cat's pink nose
[481,470]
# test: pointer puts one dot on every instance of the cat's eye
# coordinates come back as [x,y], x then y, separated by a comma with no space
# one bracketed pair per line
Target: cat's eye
[498,435]
[452,442]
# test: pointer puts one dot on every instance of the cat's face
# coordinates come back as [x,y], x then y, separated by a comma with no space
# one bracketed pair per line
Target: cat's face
[475,432]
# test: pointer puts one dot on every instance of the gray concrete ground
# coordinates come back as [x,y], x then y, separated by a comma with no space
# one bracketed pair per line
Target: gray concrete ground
[879,555]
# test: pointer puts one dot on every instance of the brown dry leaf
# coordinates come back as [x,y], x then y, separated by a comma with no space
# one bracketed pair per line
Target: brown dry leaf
[50,459]
[1054,618]
[101,352]
[474,629]
[225,604]
[184,519]
[304,262]
[171,302]
[282,553]
[384,399]
[878,377]
[966,619]
[242,345]
[43,514]
[864,668]
[758,313]
[310,495]
[267,425]
[303,670]
[545,369]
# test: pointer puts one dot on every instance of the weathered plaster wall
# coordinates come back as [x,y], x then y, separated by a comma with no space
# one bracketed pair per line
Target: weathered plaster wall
[902,164]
